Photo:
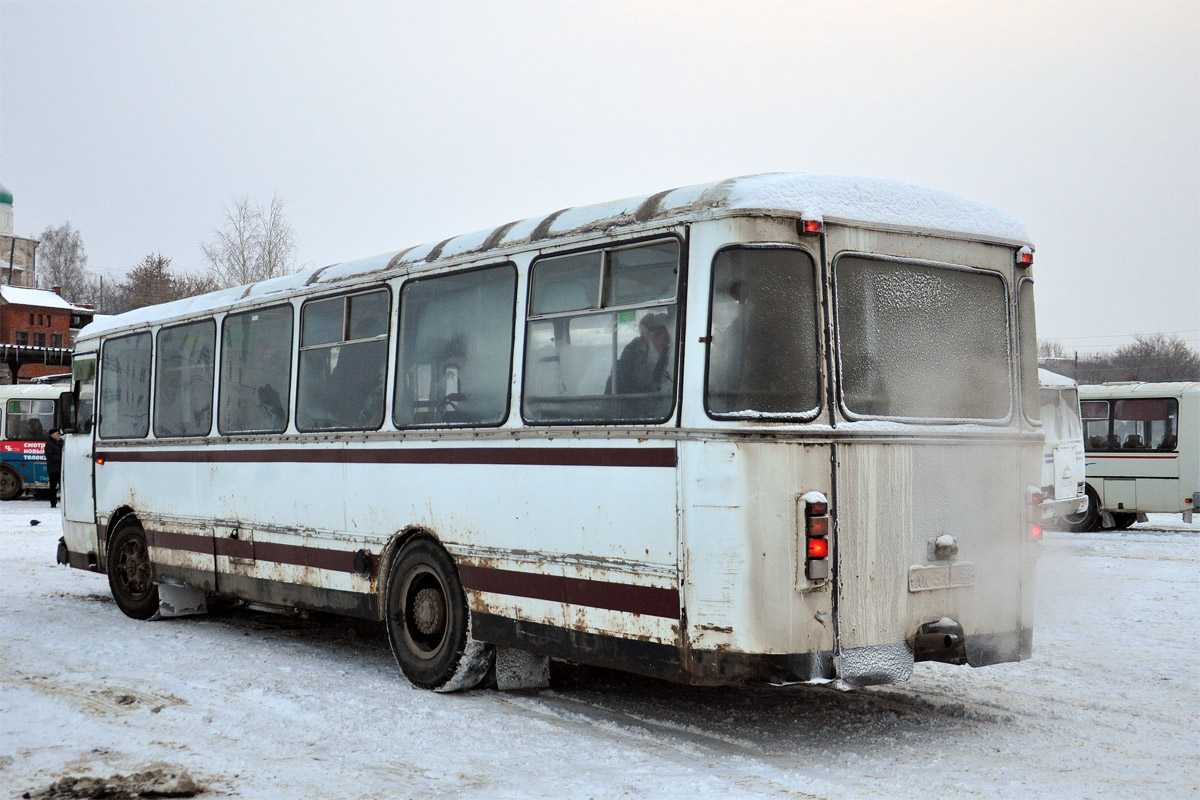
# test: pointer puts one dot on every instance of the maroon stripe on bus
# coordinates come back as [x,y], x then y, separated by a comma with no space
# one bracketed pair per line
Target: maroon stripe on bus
[303,556]
[516,456]
[295,555]
[574,591]
[180,541]
[234,548]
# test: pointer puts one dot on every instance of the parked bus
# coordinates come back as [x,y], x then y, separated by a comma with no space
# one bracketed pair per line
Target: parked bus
[1143,452]
[777,428]
[1063,483]
[30,413]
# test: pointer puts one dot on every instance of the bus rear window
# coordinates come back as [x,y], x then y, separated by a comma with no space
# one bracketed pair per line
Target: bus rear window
[919,341]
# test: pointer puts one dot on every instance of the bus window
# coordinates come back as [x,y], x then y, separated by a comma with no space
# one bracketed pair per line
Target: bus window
[602,336]
[256,368]
[125,387]
[343,362]
[1095,423]
[1150,423]
[28,420]
[455,354]
[83,373]
[921,341]
[184,380]
[764,357]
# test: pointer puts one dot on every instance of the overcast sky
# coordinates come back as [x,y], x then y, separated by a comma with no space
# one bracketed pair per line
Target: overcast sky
[383,125]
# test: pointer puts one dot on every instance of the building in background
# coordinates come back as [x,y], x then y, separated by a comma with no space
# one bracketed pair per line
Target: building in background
[17,264]
[37,326]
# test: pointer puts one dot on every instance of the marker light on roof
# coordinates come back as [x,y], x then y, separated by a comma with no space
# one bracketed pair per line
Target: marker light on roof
[1025,256]
[811,226]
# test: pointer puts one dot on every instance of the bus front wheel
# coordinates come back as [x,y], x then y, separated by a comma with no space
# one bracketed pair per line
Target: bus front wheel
[428,622]
[10,484]
[130,576]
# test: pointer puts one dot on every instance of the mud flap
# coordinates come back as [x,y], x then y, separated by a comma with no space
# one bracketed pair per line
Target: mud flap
[520,669]
[866,666]
[181,601]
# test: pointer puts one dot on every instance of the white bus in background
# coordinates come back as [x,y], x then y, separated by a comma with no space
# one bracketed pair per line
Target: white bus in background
[778,428]
[28,412]
[1143,452]
[1063,481]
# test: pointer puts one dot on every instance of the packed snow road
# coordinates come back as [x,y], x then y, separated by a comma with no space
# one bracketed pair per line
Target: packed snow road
[255,704]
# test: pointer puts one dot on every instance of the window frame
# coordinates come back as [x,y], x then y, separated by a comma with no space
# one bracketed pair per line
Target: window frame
[678,302]
[1111,402]
[512,347]
[103,378]
[216,368]
[1010,350]
[1033,419]
[822,378]
[299,348]
[291,351]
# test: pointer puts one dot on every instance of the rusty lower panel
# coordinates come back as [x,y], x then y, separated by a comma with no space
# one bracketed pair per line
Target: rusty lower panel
[699,667]
[284,595]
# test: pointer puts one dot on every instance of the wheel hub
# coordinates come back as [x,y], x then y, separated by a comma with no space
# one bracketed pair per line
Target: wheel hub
[429,611]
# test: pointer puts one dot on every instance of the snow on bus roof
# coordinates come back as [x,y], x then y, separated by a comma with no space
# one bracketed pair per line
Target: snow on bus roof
[871,202]
[1052,380]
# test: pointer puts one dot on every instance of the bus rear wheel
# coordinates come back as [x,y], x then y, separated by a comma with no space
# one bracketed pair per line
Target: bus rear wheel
[130,576]
[428,622]
[10,484]
[1088,520]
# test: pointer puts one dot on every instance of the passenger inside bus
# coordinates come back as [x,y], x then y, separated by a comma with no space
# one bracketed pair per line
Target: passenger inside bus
[645,364]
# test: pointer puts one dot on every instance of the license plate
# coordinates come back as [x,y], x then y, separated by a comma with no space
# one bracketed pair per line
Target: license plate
[941,576]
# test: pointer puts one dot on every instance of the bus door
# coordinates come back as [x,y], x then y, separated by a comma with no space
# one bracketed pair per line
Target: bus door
[77,478]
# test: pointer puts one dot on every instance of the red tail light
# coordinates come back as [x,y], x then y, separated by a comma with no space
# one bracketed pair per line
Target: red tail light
[1035,533]
[816,534]
[811,226]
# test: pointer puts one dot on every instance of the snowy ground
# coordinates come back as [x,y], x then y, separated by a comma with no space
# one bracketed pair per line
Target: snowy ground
[253,704]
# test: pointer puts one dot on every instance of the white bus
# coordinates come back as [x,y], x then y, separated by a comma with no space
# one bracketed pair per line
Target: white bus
[777,428]
[30,412]
[1063,466]
[1143,452]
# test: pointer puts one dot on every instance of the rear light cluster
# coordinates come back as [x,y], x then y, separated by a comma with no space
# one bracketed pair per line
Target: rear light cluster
[816,534]
[1036,498]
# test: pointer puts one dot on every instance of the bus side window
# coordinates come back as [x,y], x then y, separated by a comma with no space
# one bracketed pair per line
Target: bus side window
[343,362]
[184,380]
[602,336]
[1095,424]
[125,387]
[256,368]
[455,356]
[764,356]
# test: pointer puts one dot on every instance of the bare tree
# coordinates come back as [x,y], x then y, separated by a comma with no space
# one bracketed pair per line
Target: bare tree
[254,244]
[1051,350]
[152,282]
[61,261]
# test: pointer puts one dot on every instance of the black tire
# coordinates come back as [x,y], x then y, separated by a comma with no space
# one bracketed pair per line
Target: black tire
[130,575]
[428,622]
[1088,520]
[10,484]
[1122,520]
